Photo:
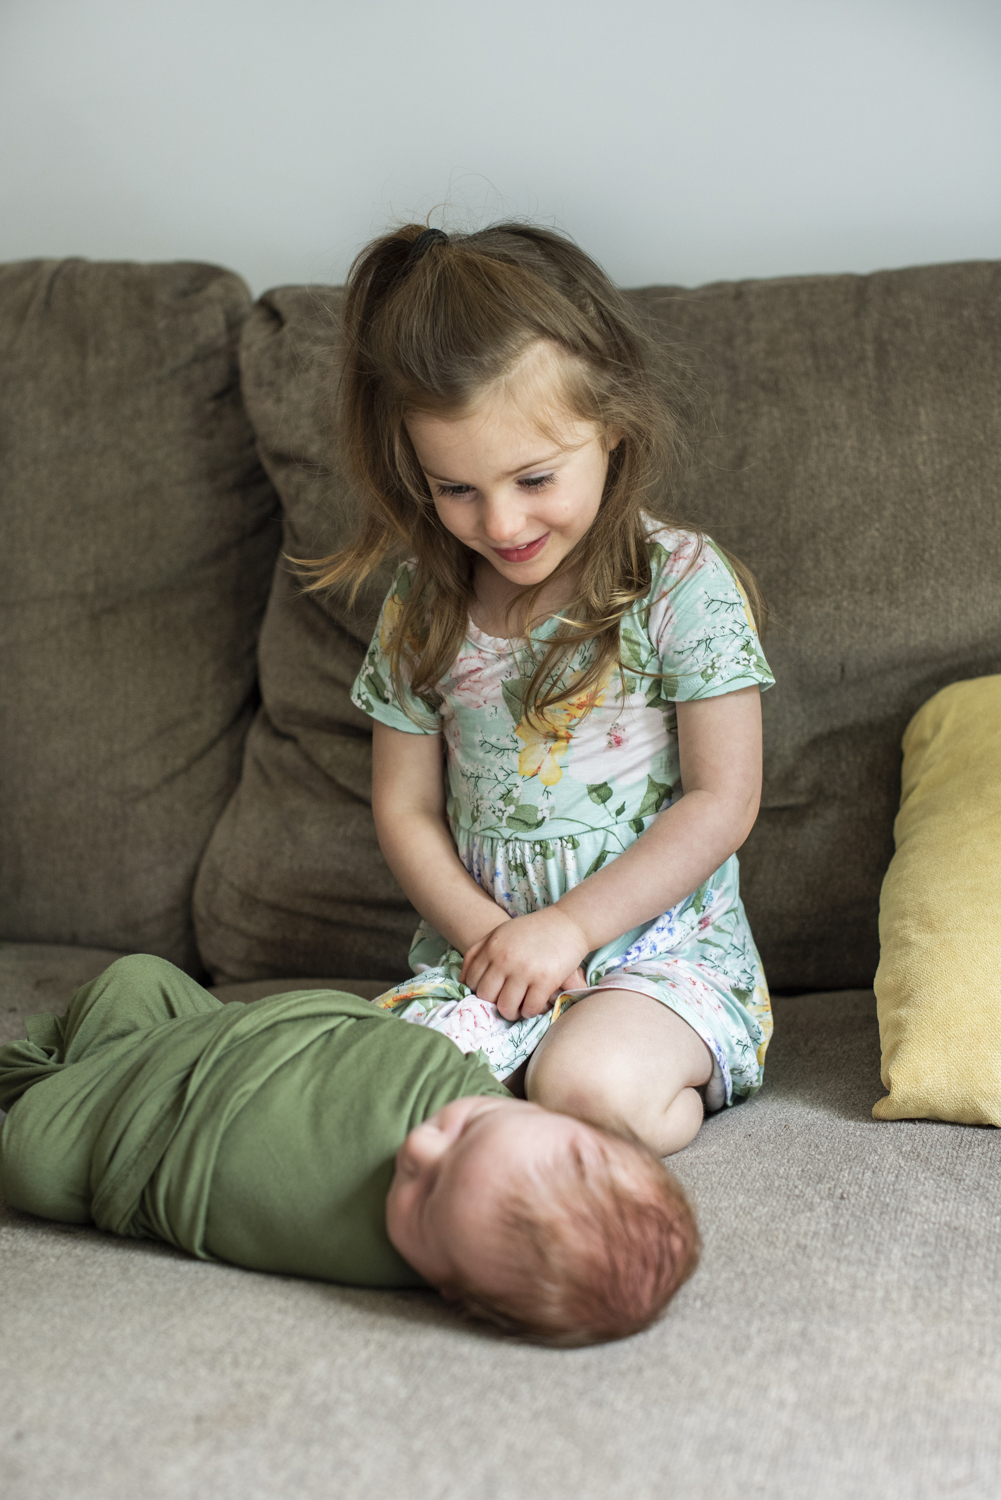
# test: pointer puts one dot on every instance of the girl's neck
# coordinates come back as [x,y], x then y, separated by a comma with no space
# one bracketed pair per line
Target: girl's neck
[490,609]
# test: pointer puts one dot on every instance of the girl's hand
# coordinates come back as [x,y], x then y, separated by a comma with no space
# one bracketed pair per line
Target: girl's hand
[521,963]
[575,981]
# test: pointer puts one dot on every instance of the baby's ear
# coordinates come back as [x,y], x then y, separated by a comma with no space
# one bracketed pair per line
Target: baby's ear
[450,1293]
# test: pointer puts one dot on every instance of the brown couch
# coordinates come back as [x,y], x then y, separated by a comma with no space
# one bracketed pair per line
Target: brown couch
[184,774]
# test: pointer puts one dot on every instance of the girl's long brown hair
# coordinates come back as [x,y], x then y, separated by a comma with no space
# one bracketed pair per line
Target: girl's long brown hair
[433,337]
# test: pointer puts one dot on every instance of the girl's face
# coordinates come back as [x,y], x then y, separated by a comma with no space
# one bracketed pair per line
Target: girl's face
[503,486]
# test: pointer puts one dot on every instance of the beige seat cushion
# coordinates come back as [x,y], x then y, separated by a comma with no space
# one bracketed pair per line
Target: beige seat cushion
[938,985]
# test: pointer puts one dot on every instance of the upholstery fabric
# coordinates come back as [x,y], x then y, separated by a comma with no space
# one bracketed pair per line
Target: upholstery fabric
[849,457]
[293,882]
[938,984]
[847,454]
[137,539]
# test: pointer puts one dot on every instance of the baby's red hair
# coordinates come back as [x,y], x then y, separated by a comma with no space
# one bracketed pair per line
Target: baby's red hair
[595,1252]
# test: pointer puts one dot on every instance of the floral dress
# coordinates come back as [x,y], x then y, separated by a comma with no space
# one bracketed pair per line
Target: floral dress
[535,808]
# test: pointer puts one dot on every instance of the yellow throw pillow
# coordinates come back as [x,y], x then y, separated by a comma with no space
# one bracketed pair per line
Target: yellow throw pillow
[938,985]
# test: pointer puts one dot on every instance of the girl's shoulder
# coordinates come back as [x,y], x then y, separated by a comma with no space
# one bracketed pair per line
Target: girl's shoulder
[403,579]
[697,617]
[674,553]
[690,579]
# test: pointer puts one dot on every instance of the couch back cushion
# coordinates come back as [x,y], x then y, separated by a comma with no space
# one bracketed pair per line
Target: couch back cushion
[293,882]
[848,456]
[137,540]
[851,460]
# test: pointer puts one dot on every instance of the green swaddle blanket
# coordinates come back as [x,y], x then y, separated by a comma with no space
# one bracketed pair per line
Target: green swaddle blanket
[260,1134]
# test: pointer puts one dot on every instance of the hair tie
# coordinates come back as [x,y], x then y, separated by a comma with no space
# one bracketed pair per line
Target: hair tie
[420,247]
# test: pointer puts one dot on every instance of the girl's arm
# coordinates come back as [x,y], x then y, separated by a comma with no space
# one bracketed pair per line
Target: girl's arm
[408,801]
[719,740]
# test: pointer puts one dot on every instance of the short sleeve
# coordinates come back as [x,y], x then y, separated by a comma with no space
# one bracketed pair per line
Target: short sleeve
[700,623]
[373,691]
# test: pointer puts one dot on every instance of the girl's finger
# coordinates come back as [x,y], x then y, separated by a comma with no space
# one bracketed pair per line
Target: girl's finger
[472,953]
[509,1000]
[477,979]
[478,971]
[535,1002]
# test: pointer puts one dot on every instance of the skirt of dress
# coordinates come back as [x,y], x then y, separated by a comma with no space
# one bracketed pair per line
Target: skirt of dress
[698,959]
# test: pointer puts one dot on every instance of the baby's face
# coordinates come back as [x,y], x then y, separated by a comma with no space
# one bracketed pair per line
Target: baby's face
[453,1175]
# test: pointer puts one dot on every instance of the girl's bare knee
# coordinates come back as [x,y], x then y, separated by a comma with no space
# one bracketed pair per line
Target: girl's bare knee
[557,1081]
[682,1122]
[605,1094]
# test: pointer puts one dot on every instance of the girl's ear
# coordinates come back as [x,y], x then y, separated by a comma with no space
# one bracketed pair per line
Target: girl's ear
[613,437]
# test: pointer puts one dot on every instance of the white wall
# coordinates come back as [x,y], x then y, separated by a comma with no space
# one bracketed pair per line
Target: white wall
[677,142]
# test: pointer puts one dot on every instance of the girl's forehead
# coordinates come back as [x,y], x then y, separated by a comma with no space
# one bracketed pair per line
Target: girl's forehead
[492,420]
[529,423]
[538,382]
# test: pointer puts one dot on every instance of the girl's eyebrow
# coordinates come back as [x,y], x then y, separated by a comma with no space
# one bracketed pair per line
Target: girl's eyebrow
[537,463]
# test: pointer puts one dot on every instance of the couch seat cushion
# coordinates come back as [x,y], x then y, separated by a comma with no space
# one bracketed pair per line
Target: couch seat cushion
[841,1339]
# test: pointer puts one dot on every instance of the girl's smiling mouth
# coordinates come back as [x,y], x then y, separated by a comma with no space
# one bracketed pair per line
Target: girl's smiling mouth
[522,554]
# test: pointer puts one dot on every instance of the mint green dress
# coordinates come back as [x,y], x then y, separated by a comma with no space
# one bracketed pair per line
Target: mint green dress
[535,809]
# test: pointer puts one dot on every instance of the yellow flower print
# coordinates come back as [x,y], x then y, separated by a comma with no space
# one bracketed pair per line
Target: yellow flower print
[390,619]
[760,1007]
[543,751]
[548,743]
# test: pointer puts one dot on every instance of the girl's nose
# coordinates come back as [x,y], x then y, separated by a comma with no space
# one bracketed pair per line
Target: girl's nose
[503,521]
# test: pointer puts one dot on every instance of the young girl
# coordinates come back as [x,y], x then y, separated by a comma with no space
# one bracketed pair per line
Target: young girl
[566,693]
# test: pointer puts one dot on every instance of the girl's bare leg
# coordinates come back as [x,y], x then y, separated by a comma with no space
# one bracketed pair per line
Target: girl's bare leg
[623,1060]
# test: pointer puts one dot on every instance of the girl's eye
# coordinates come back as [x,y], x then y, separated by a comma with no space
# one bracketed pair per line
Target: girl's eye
[460,491]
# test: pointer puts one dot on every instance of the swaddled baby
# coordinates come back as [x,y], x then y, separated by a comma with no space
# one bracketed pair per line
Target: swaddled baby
[313,1134]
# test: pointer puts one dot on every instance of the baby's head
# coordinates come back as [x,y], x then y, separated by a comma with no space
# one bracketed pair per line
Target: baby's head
[538,1222]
